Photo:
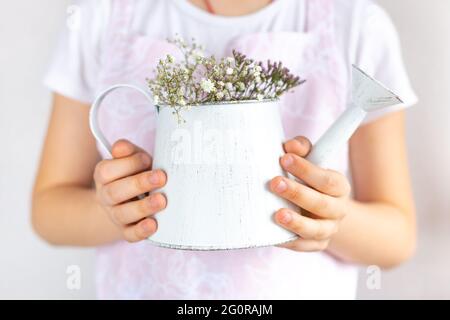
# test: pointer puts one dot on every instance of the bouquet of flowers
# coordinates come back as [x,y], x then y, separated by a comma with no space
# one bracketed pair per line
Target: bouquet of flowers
[200,79]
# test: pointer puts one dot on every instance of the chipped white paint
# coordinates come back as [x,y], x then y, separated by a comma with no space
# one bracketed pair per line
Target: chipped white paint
[220,160]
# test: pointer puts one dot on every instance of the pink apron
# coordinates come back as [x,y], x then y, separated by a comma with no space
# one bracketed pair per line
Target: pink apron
[143,271]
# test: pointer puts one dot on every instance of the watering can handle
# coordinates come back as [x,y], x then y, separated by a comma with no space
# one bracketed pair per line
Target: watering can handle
[93,114]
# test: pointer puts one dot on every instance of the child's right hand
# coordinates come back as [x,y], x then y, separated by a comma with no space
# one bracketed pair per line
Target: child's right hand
[120,180]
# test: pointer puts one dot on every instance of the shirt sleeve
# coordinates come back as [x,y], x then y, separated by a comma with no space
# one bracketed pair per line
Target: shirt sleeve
[74,68]
[378,52]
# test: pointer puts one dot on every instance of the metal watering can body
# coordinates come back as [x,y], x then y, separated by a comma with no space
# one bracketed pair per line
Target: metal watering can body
[218,159]
[218,162]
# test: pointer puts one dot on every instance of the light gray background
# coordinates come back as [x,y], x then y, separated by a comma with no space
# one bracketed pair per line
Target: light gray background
[30,268]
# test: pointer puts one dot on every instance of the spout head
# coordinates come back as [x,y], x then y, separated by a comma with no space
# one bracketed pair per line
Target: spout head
[369,94]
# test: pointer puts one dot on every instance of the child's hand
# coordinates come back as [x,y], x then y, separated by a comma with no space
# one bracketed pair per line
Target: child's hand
[120,180]
[323,199]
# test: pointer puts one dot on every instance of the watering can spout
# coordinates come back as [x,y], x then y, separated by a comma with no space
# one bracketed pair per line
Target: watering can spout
[370,94]
[367,95]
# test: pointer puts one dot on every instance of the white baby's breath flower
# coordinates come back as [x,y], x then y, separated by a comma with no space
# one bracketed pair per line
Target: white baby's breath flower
[254,73]
[201,78]
[240,86]
[170,58]
[230,60]
[207,85]
[199,53]
[219,95]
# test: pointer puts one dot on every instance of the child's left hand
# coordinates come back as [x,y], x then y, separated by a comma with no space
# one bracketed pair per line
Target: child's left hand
[323,199]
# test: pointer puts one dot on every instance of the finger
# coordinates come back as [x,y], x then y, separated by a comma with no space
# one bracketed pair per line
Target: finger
[327,181]
[305,245]
[140,231]
[299,145]
[134,211]
[127,188]
[308,199]
[306,228]
[123,148]
[110,170]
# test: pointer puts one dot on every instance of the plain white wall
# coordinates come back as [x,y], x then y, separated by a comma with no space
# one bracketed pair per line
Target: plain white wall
[424,28]
[28,267]
[31,269]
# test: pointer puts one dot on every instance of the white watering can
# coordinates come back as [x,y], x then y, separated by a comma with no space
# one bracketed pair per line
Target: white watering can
[219,161]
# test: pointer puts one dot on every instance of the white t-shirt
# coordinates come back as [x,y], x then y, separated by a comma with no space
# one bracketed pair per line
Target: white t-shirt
[365,36]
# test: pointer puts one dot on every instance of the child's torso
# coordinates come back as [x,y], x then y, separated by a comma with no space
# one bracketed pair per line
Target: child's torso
[299,33]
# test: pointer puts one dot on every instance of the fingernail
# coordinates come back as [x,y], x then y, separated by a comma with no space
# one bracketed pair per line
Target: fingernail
[154,202]
[281,187]
[147,226]
[285,217]
[287,160]
[145,159]
[154,178]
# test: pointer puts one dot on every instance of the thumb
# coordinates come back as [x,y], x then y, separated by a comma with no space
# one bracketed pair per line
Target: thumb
[300,146]
[123,148]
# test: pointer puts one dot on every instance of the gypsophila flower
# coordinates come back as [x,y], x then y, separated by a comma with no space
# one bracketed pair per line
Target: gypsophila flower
[170,59]
[195,78]
[220,95]
[207,85]
[199,54]
[240,86]
[229,86]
